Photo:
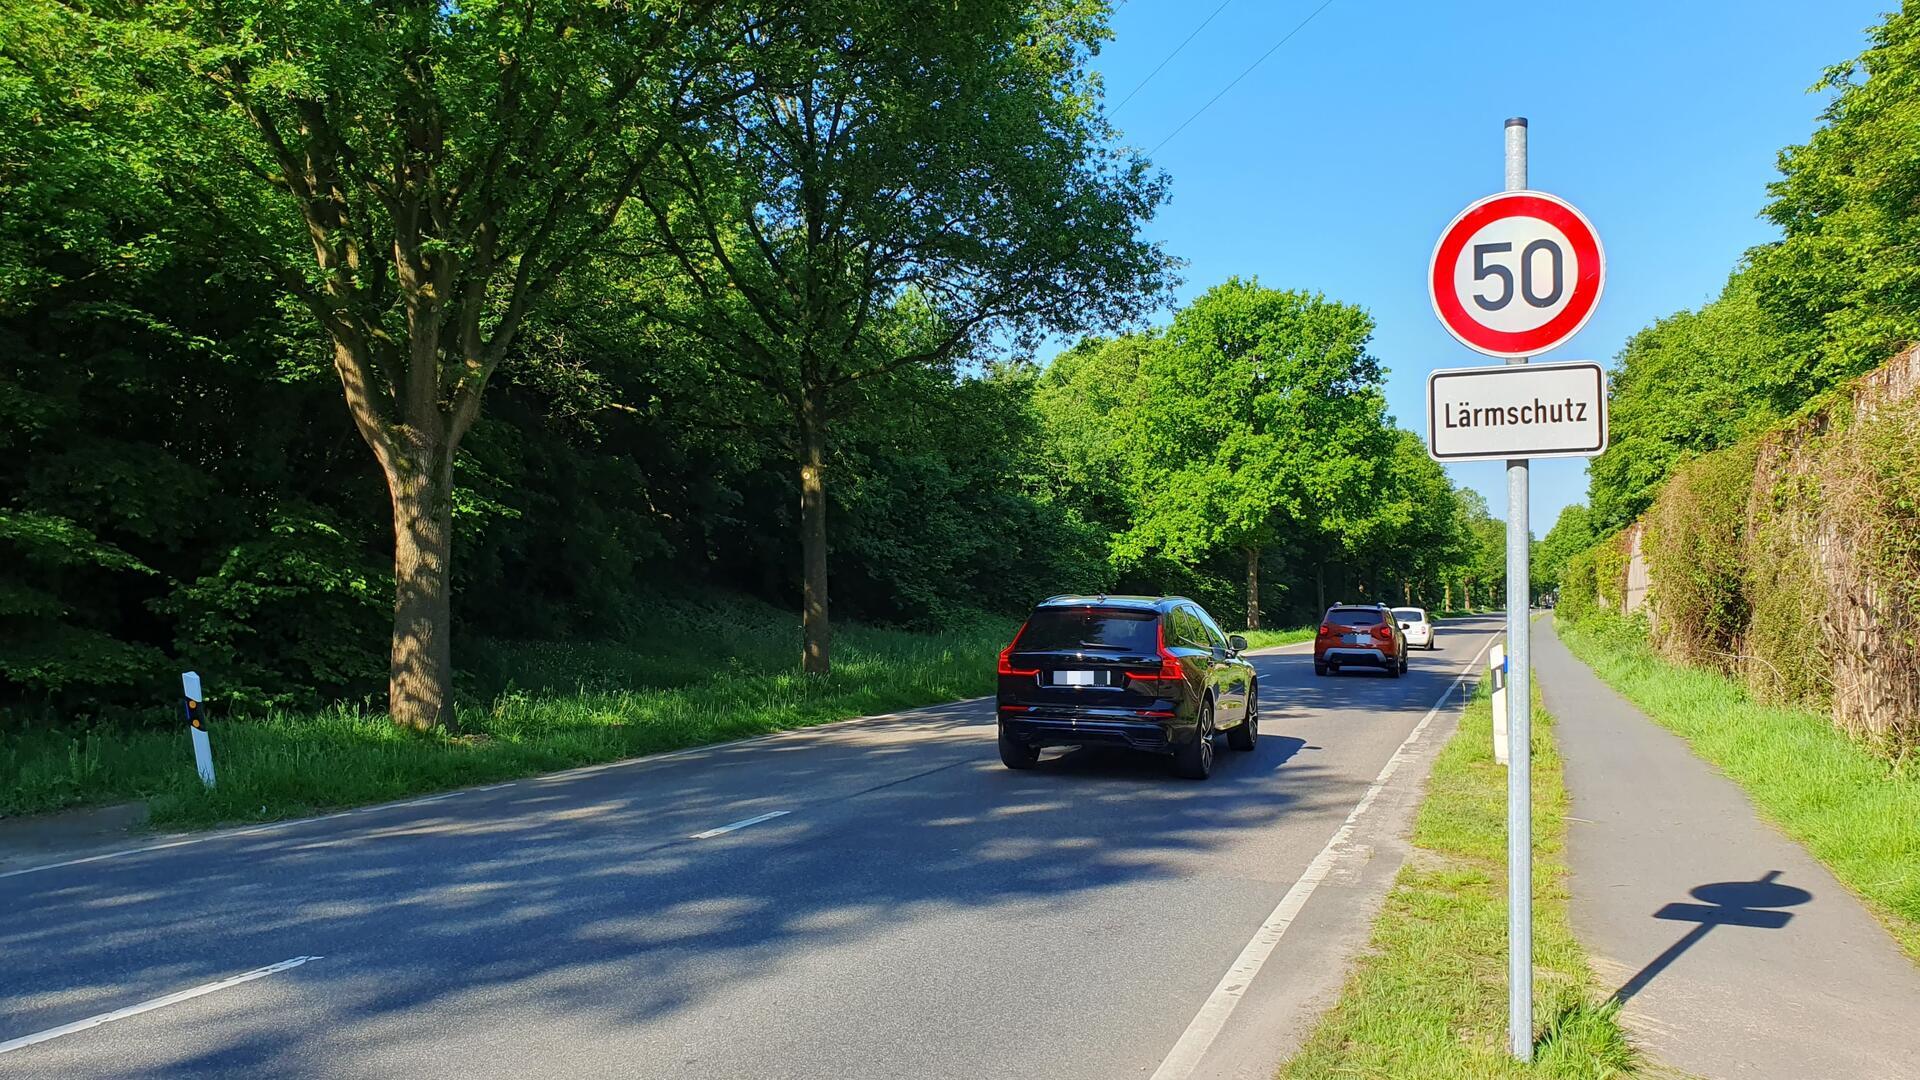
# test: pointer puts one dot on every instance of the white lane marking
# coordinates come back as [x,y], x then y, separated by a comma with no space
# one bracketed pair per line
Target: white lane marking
[564,774]
[155,1003]
[711,833]
[98,858]
[1185,1056]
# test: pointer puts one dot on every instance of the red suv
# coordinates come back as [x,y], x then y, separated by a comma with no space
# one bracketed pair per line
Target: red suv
[1360,635]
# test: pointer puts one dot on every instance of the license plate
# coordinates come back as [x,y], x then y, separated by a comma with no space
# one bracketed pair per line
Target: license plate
[1073,678]
[1357,639]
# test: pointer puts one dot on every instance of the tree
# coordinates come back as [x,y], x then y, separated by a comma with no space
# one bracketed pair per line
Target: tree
[1260,415]
[1572,533]
[896,185]
[1484,569]
[1842,286]
[1691,383]
[1409,529]
[418,177]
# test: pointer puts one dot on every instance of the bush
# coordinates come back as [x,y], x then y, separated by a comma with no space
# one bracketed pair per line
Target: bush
[1694,543]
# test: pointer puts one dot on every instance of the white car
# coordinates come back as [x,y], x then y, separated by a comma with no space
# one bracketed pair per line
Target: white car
[1414,622]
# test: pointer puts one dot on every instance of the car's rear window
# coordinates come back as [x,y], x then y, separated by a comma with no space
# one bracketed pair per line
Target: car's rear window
[1054,629]
[1354,616]
[1410,614]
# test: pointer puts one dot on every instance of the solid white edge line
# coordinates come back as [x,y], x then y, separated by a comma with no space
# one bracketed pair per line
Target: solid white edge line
[148,1006]
[711,833]
[1207,1024]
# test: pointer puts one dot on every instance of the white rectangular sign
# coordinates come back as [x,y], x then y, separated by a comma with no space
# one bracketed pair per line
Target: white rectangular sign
[1517,411]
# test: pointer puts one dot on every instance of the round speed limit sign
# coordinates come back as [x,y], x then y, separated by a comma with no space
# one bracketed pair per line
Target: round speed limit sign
[1517,273]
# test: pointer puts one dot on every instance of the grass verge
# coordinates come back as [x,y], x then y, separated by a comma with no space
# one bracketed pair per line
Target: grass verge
[1267,639]
[713,676]
[1430,1000]
[1857,813]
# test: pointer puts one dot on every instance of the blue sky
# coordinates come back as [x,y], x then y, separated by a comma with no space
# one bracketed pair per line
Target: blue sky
[1335,164]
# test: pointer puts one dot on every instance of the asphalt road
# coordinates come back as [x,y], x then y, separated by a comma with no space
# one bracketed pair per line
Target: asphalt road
[915,910]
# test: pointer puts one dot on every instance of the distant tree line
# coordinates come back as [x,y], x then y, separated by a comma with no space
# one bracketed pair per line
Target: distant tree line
[329,332]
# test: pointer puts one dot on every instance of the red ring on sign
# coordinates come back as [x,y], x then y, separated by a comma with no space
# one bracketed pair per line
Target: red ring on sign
[1587,283]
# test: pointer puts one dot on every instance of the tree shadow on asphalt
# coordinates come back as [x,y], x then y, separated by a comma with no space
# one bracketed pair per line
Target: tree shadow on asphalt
[584,900]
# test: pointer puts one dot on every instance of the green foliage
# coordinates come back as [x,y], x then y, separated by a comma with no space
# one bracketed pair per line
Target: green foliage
[1691,383]
[1258,412]
[1610,558]
[546,706]
[1253,421]
[1571,534]
[1842,287]
[1695,547]
[1578,586]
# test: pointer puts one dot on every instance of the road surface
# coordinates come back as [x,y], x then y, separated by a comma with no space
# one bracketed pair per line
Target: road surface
[914,910]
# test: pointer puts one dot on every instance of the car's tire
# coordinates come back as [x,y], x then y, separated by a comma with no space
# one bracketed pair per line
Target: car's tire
[1433,643]
[1319,668]
[1404,661]
[1194,761]
[1017,755]
[1394,668]
[1247,734]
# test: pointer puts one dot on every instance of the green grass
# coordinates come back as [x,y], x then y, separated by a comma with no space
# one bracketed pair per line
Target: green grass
[726,673]
[1857,813]
[1430,1000]
[1267,639]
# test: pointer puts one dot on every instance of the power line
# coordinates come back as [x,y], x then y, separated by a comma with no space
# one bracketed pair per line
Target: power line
[1236,79]
[1169,57]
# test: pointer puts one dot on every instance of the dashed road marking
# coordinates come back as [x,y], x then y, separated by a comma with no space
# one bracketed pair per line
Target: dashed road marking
[711,833]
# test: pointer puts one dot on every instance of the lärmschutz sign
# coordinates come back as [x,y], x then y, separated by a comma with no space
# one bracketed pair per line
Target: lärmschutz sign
[1502,413]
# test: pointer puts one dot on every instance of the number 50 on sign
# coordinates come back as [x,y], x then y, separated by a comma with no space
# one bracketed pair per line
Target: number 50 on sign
[1517,274]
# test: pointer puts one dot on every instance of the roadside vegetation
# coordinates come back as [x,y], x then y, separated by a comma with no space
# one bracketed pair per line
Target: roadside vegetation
[1855,811]
[1760,496]
[727,674]
[1429,1000]
[1268,639]
[725,300]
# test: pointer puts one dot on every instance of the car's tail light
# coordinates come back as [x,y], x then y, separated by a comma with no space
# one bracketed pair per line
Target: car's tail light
[1326,629]
[1006,658]
[1170,669]
[1383,632]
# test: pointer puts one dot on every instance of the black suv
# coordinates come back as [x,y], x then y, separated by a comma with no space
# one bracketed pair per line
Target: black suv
[1151,673]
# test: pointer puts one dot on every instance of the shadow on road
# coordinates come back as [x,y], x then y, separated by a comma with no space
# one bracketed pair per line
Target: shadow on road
[1752,904]
[582,896]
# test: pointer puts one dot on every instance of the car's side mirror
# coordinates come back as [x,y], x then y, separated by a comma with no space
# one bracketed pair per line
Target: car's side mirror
[1237,643]
[1406,626]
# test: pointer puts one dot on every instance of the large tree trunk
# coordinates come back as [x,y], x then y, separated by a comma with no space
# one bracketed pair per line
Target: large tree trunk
[420,671]
[1253,587]
[816,656]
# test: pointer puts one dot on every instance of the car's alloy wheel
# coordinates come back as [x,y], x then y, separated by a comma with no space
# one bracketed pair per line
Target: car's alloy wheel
[1247,734]
[1195,760]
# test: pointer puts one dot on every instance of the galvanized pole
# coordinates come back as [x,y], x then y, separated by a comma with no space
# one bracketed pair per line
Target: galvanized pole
[1519,713]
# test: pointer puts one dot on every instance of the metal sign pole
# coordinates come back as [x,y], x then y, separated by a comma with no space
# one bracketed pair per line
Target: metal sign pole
[1519,713]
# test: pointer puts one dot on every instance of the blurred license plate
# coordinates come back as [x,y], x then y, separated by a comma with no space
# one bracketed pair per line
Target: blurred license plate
[1073,678]
[1357,639]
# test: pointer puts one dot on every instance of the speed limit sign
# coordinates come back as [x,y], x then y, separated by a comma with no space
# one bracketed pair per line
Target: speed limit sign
[1517,274]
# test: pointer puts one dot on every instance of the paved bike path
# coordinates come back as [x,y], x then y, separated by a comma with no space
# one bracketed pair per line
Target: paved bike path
[1735,952]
